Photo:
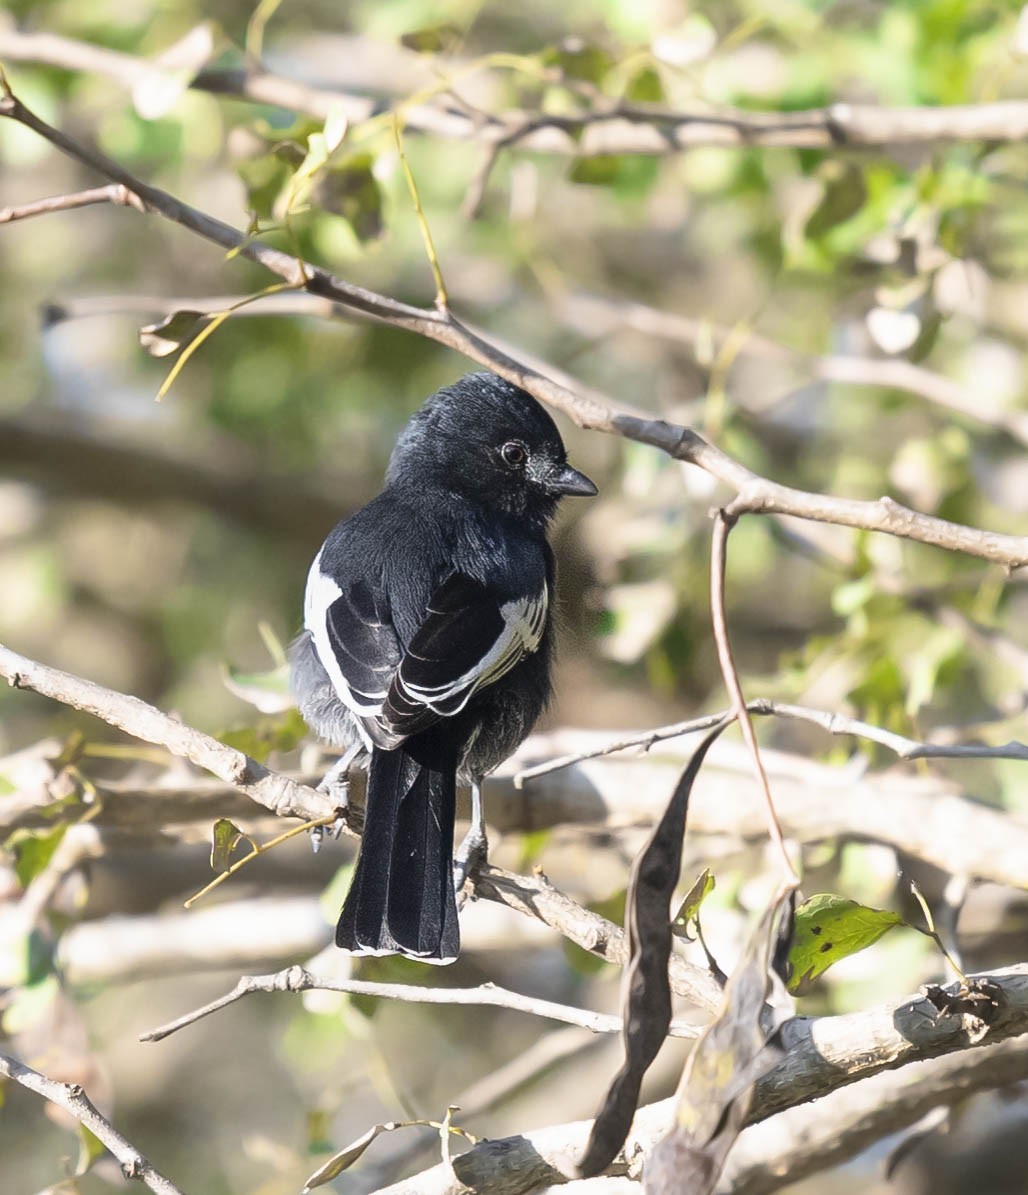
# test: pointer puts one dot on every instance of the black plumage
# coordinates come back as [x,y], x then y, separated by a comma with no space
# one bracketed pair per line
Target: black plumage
[428,640]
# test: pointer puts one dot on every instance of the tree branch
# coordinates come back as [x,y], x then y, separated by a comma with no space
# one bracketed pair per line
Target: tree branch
[537,897]
[807,1140]
[923,816]
[620,128]
[589,410]
[279,794]
[920,815]
[823,1056]
[719,619]
[72,1098]
[835,724]
[112,193]
[297,979]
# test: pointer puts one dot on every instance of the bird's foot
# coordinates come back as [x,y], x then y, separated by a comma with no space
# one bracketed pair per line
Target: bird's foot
[336,784]
[317,833]
[471,854]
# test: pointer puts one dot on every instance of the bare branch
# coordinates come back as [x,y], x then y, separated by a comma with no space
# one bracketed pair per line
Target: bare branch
[923,816]
[718,562]
[619,129]
[72,1098]
[281,795]
[807,1140]
[296,979]
[823,1056]
[836,724]
[537,897]
[112,193]
[588,409]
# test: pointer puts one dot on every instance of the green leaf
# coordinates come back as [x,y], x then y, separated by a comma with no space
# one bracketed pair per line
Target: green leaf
[29,1005]
[33,850]
[349,189]
[645,88]
[91,1149]
[249,740]
[265,178]
[6,787]
[598,171]
[577,59]
[845,193]
[433,39]
[690,906]
[225,837]
[829,928]
[267,691]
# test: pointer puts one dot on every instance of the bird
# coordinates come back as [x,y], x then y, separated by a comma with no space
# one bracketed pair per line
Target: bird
[427,647]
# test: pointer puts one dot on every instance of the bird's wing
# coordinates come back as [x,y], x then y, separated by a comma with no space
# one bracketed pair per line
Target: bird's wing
[356,643]
[468,640]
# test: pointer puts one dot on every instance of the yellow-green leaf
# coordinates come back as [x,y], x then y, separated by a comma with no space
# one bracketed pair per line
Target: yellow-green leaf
[829,928]
[690,906]
[225,837]
[91,1148]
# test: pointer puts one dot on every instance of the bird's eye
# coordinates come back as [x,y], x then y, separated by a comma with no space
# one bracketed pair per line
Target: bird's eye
[514,453]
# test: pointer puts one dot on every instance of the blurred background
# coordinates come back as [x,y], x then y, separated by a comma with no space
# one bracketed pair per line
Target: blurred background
[851,322]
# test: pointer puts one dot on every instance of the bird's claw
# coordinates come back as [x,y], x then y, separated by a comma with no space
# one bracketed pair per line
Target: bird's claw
[472,854]
[318,833]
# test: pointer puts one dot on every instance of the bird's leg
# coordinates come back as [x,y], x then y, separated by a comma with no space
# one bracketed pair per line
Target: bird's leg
[336,783]
[474,848]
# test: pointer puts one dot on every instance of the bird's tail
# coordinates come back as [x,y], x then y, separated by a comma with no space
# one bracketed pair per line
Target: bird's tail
[401,899]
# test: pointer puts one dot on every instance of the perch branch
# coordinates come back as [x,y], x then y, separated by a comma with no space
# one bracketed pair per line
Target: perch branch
[279,794]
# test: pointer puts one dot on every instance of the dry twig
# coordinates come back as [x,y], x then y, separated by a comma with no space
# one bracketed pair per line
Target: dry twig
[72,1098]
[296,979]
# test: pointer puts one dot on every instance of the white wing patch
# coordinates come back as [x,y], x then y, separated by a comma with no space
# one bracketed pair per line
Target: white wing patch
[321,592]
[524,620]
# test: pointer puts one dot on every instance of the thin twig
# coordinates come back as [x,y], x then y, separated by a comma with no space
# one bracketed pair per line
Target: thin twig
[613,129]
[112,193]
[296,979]
[718,554]
[754,494]
[836,724]
[73,1099]
[441,299]
[256,849]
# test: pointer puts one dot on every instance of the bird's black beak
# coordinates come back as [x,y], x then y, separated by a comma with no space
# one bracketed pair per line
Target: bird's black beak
[565,480]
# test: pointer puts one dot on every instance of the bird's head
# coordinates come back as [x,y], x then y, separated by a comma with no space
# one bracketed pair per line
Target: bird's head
[491,442]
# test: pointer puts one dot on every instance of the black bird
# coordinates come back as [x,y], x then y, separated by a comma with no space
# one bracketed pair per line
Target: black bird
[428,642]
